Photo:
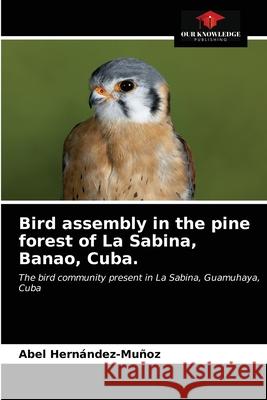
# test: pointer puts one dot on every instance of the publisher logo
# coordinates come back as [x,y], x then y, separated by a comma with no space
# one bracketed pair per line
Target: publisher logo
[209,19]
[210,28]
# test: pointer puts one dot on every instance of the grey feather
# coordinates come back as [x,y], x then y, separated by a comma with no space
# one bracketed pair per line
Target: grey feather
[125,68]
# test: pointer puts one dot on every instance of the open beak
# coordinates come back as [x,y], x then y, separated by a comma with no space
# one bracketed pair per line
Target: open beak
[98,95]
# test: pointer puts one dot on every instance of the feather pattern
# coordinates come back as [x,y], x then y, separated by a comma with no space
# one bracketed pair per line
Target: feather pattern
[191,171]
[126,162]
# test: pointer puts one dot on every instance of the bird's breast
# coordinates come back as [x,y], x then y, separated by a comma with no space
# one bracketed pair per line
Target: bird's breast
[130,164]
[145,166]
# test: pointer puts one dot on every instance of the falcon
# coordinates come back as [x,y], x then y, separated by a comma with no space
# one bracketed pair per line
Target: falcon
[129,149]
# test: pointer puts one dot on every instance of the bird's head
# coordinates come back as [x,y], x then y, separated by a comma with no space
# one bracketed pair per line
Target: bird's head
[129,90]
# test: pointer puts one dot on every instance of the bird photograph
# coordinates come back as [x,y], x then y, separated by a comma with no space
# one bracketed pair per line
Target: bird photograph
[129,113]
[128,149]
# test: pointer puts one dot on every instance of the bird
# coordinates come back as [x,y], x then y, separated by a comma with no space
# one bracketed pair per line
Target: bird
[128,150]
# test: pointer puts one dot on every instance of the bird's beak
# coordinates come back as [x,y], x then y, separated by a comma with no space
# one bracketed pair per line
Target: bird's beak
[98,95]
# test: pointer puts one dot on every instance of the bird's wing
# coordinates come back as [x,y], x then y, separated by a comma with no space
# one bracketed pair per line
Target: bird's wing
[191,172]
[85,162]
[65,145]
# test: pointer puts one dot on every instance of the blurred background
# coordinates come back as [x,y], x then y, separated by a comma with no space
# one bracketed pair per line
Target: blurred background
[219,105]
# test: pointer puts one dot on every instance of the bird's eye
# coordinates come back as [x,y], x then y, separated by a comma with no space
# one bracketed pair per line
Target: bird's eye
[126,86]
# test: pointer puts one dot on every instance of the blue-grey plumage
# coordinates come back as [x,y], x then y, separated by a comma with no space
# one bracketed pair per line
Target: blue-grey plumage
[127,68]
[128,150]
